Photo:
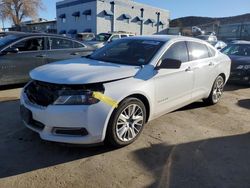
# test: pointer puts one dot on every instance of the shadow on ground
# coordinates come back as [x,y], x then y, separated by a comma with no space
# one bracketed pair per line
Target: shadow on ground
[218,162]
[234,87]
[22,151]
[245,103]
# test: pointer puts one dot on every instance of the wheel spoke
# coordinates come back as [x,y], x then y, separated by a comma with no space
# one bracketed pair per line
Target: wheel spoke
[129,123]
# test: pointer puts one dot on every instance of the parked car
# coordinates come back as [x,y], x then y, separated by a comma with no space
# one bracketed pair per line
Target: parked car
[212,39]
[103,38]
[220,45]
[111,94]
[22,52]
[239,52]
[85,36]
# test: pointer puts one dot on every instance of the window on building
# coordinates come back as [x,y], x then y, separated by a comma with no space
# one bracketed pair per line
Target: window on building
[88,17]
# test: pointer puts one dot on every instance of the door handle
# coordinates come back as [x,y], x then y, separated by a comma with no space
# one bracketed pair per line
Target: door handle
[41,55]
[74,53]
[188,69]
[211,64]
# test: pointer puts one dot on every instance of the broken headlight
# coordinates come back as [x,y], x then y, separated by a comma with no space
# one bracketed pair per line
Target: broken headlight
[75,98]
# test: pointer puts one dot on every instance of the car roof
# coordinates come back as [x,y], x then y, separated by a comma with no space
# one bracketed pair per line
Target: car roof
[23,34]
[240,42]
[164,38]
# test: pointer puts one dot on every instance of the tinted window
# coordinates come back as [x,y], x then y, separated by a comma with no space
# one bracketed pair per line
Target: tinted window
[128,52]
[33,44]
[123,36]
[177,51]
[237,50]
[115,37]
[78,45]
[59,43]
[4,40]
[102,37]
[197,51]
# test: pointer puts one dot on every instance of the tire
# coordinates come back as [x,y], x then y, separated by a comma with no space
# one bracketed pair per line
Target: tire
[125,126]
[216,91]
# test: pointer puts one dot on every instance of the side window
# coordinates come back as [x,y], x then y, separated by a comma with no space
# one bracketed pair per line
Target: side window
[114,37]
[78,45]
[124,36]
[32,44]
[197,51]
[59,43]
[211,51]
[177,51]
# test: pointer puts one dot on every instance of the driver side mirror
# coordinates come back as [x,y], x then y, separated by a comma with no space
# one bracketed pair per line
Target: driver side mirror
[11,50]
[169,64]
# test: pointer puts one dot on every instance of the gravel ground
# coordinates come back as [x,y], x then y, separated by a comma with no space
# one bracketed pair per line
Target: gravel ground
[196,146]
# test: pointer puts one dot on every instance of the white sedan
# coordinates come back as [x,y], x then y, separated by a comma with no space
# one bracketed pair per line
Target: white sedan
[110,95]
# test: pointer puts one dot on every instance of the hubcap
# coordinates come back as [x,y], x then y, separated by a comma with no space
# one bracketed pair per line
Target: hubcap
[129,123]
[218,89]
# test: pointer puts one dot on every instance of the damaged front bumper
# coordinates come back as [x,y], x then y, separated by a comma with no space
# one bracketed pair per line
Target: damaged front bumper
[74,124]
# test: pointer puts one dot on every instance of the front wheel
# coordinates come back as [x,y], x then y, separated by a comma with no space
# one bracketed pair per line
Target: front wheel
[216,92]
[126,123]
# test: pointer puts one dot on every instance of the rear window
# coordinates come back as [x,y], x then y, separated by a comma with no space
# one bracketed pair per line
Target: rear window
[197,51]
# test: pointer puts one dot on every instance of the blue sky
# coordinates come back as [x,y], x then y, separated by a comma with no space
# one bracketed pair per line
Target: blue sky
[178,8]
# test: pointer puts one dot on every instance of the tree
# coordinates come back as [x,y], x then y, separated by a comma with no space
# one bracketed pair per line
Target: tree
[17,10]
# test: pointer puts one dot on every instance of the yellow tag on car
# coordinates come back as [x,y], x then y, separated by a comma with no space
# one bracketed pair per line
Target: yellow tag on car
[107,100]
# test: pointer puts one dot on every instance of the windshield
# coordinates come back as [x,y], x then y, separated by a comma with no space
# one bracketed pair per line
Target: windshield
[128,52]
[237,50]
[7,40]
[102,37]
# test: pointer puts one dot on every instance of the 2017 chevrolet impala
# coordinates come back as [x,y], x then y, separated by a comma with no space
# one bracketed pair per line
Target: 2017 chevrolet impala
[110,95]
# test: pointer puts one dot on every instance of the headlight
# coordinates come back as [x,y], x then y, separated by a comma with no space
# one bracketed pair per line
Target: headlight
[75,98]
[246,67]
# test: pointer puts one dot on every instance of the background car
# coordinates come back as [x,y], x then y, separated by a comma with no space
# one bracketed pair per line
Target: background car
[239,53]
[85,36]
[111,94]
[22,52]
[212,39]
[103,38]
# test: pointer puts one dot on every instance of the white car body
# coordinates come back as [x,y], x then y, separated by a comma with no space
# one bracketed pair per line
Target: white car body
[165,90]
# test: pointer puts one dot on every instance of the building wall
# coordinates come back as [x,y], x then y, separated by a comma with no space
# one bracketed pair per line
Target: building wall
[100,23]
[71,22]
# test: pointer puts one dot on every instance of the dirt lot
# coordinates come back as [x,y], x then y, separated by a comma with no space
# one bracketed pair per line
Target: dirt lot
[197,146]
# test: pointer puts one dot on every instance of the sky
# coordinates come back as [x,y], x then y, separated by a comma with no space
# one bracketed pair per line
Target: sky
[177,8]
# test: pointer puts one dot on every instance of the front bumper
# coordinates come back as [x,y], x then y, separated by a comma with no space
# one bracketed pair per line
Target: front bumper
[92,120]
[240,76]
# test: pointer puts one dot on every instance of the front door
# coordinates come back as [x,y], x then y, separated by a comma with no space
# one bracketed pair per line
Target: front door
[15,66]
[173,87]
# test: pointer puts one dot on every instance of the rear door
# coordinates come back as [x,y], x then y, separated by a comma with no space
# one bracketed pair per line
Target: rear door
[204,68]
[61,49]
[15,66]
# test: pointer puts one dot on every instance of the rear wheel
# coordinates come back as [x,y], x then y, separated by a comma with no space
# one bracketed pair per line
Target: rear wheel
[216,92]
[126,123]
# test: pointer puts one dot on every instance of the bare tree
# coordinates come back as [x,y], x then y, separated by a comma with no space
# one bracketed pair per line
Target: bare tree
[17,10]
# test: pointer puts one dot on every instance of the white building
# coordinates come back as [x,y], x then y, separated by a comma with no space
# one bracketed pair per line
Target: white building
[97,16]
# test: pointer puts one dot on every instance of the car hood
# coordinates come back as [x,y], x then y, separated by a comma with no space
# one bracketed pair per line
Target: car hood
[82,71]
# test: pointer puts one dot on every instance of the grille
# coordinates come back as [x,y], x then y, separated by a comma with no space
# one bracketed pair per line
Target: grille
[41,93]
